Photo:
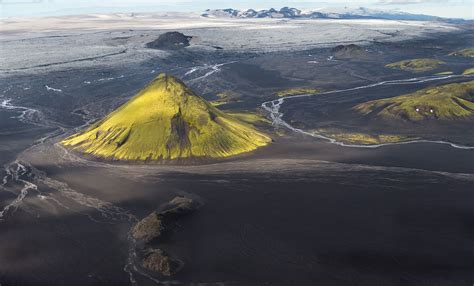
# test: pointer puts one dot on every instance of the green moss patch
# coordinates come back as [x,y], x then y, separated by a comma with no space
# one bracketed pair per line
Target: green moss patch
[363,138]
[445,73]
[469,53]
[468,71]
[297,91]
[416,65]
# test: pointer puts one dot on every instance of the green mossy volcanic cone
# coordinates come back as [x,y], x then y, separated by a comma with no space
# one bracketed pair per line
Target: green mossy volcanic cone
[167,120]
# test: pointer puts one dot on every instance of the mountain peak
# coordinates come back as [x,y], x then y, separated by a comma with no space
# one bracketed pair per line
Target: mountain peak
[165,121]
[324,13]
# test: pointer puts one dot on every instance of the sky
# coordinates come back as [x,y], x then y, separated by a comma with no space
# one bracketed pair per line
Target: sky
[12,8]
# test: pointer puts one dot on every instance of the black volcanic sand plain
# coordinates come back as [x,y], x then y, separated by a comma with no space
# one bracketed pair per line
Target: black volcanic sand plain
[299,212]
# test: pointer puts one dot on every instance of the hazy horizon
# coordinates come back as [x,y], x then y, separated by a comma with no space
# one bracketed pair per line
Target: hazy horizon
[16,8]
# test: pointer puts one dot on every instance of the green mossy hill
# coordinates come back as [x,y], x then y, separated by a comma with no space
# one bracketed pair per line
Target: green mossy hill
[416,65]
[469,52]
[468,71]
[445,102]
[167,121]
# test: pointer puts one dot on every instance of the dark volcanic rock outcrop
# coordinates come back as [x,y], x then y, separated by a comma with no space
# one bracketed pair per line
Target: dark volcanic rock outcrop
[350,51]
[170,41]
[154,225]
[157,260]
[148,228]
[179,206]
[152,228]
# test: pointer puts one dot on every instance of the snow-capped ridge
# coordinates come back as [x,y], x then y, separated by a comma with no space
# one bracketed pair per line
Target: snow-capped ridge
[325,13]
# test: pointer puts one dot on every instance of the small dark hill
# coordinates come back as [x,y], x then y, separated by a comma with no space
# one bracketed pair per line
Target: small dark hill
[170,41]
[350,51]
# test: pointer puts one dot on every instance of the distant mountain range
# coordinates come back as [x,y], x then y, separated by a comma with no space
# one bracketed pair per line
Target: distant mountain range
[325,13]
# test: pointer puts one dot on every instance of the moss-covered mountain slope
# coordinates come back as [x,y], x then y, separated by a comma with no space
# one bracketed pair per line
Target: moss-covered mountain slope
[453,101]
[167,120]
